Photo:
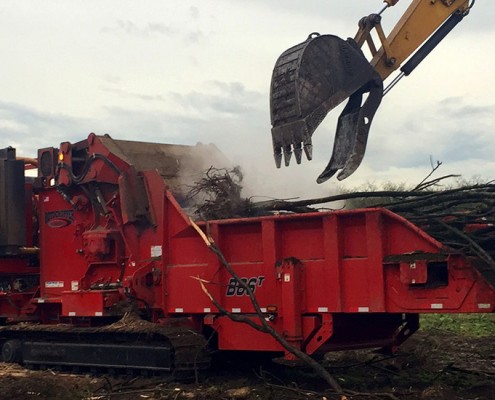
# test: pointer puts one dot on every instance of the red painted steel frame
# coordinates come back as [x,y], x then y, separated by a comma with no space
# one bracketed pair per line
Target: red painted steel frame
[325,281]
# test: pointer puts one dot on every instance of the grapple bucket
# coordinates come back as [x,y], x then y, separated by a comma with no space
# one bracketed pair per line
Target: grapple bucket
[308,81]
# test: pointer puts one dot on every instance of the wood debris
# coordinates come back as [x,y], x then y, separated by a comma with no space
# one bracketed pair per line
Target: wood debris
[462,218]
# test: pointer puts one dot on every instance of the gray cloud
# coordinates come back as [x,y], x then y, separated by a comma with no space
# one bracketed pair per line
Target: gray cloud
[349,12]
[152,29]
[480,18]
[454,107]
[146,30]
[317,8]
[195,37]
[139,96]
[112,79]
[231,98]
[242,41]
[207,117]
[450,131]
[194,12]
[29,129]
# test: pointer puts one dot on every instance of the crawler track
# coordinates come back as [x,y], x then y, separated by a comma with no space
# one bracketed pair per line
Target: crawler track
[129,346]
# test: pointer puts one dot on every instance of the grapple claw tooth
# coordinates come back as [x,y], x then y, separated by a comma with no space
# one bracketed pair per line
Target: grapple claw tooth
[278,159]
[308,150]
[298,153]
[287,155]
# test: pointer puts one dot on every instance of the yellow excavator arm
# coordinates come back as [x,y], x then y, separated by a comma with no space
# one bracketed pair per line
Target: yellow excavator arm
[419,22]
[315,76]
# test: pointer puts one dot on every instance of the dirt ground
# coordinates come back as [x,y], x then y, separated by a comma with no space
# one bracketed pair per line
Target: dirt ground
[432,365]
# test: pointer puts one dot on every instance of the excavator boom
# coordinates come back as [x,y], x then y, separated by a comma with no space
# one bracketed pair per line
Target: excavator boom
[315,76]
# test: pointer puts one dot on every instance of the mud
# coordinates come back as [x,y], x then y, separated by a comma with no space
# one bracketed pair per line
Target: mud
[432,365]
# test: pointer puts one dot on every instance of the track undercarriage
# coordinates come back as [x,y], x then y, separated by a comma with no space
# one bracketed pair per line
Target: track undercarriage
[129,346]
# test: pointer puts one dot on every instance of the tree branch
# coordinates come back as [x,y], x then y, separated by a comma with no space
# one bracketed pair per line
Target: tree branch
[264,327]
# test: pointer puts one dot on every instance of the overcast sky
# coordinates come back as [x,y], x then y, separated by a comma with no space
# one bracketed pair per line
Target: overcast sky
[199,71]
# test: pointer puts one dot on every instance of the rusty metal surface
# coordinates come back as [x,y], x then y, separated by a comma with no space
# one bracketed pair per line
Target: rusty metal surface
[308,81]
[179,165]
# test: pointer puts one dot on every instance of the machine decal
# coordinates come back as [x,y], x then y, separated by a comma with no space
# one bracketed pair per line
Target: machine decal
[59,218]
[156,251]
[235,289]
[54,284]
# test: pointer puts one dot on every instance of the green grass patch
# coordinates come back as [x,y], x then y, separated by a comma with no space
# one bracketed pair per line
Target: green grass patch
[463,324]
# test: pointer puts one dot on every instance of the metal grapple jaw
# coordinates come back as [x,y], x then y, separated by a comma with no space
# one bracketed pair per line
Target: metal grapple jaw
[308,81]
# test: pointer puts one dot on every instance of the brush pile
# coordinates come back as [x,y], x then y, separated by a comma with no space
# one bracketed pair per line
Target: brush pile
[217,195]
[462,217]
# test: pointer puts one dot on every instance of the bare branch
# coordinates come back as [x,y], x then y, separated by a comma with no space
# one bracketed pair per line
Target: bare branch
[264,327]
